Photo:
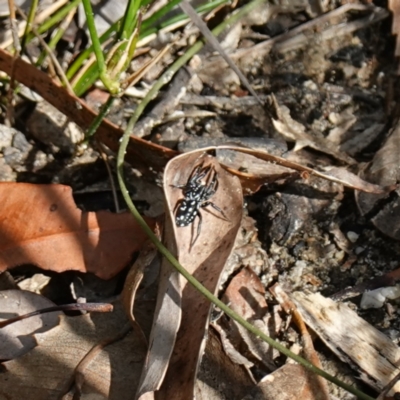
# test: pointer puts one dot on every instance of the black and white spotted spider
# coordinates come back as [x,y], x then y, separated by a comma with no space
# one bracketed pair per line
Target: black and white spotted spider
[200,187]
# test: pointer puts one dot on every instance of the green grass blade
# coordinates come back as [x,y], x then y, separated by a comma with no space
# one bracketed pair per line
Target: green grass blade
[130,19]
[29,22]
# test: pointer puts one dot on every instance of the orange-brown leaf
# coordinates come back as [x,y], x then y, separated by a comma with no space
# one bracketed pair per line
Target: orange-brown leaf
[41,225]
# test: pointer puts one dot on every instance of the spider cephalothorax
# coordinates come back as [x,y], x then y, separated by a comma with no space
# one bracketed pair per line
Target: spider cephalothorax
[200,187]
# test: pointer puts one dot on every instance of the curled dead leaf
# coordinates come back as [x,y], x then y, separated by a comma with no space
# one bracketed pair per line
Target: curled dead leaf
[253,178]
[17,339]
[177,354]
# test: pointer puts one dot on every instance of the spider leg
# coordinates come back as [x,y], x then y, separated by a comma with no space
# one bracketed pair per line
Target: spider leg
[214,180]
[212,184]
[198,230]
[198,173]
[215,207]
[215,183]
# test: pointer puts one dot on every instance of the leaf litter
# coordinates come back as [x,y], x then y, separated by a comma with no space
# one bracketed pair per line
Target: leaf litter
[48,371]
[295,205]
[17,339]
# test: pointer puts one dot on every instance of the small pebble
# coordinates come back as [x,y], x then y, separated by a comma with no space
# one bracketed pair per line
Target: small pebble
[352,236]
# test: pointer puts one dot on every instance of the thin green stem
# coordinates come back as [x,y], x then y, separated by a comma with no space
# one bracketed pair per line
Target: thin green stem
[152,25]
[93,35]
[111,85]
[29,22]
[54,19]
[148,27]
[164,79]
[119,56]
[160,13]
[128,23]
[86,80]
[86,53]
[56,37]
[100,116]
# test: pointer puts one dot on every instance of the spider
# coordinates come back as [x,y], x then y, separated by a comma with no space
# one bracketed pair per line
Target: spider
[196,195]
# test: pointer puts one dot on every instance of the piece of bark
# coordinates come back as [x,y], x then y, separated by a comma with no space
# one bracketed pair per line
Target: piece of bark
[371,353]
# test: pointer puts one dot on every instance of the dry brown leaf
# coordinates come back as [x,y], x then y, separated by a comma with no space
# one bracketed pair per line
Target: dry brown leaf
[384,170]
[251,164]
[140,153]
[167,317]
[229,349]
[246,295]
[290,382]
[335,174]
[251,182]
[46,371]
[348,179]
[17,338]
[41,225]
[205,261]
[253,171]
[220,377]
[132,282]
[293,131]
[394,5]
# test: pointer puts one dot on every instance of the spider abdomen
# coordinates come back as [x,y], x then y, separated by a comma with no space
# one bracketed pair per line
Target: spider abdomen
[186,212]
